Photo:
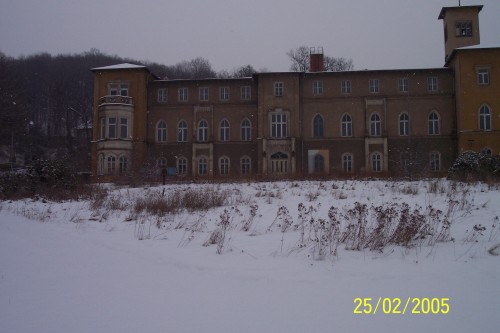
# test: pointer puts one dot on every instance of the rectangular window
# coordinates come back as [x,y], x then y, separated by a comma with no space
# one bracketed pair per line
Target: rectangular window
[224,93]
[346,86]
[124,89]
[374,86]
[483,76]
[432,84]
[463,29]
[403,84]
[279,126]
[123,128]
[246,93]
[162,95]
[347,163]
[113,89]
[203,94]
[183,94]
[102,131]
[278,89]
[318,88]
[112,128]
[245,166]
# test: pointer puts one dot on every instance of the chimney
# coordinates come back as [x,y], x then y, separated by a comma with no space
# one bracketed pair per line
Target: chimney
[316,63]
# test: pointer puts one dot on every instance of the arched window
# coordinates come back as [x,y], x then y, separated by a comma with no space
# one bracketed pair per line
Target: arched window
[346,125]
[347,162]
[224,165]
[224,130]
[245,163]
[202,166]
[435,161]
[246,130]
[182,129]
[161,131]
[375,125]
[433,123]
[376,162]
[111,164]
[101,164]
[404,124]
[485,118]
[319,163]
[182,166]
[317,126]
[122,164]
[203,131]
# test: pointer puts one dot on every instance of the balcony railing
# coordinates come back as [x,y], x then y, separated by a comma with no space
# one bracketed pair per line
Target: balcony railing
[116,99]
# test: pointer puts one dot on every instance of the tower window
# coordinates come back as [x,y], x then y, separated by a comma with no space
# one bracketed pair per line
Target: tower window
[463,29]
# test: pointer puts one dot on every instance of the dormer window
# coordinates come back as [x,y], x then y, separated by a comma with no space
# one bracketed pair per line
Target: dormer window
[463,29]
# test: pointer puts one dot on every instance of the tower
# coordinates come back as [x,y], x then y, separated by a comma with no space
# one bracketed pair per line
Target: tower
[461,27]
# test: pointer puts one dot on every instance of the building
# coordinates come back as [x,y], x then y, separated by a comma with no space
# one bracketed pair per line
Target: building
[409,122]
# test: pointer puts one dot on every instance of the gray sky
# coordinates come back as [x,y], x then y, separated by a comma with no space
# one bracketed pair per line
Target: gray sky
[376,34]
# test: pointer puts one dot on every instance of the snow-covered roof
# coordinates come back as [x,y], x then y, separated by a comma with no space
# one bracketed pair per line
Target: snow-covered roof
[119,66]
[480,46]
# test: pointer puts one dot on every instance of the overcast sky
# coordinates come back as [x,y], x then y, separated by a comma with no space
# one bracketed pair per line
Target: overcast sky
[376,34]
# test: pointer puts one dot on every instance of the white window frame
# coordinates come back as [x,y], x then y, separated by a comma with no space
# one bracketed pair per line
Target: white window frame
[434,123]
[346,87]
[485,118]
[182,166]
[346,125]
[124,128]
[278,89]
[183,94]
[403,84]
[202,131]
[224,164]
[278,124]
[432,84]
[224,94]
[246,93]
[404,124]
[162,95]
[347,162]
[224,130]
[246,130]
[161,132]
[317,88]
[374,86]
[483,76]
[376,162]
[375,124]
[204,93]
[182,129]
[245,165]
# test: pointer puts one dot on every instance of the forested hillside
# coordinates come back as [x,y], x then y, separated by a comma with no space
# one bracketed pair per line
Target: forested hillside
[46,102]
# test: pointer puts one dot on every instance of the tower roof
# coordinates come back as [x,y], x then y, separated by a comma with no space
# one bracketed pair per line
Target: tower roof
[445,9]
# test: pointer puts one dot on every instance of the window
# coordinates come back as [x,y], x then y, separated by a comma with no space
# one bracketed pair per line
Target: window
[246,93]
[101,164]
[279,163]
[245,165]
[122,164]
[375,125]
[246,130]
[432,84]
[376,162]
[346,86]
[161,131]
[374,86]
[279,125]
[224,130]
[483,76]
[224,165]
[183,94]
[318,88]
[112,128]
[162,95]
[435,161]
[202,166]
[224,93]
[403,84]
[485,118]
[278,89]
[346,125]
[463,29]
[102,128]
[181,166]
[318,126]
[203,92]
[118,88]
[404,124]
[182,128]
[347,162]
[319,163]
[203,131]
[433,123]
[123,128]
[111,164]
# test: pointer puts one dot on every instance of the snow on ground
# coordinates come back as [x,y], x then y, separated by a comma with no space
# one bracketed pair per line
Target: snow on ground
[73,267]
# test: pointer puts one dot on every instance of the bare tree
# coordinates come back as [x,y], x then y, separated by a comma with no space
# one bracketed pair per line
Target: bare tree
[338,64]
[299,58]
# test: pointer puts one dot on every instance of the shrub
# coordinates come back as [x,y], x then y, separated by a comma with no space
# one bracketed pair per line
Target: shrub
[471,165]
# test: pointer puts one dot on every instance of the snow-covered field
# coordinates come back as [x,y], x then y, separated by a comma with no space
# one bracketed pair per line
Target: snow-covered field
[93,266]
